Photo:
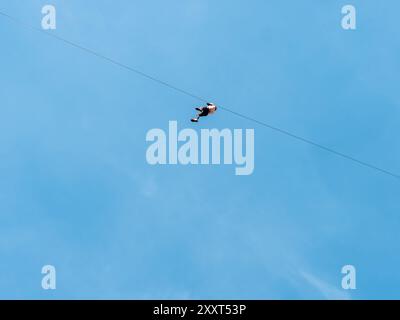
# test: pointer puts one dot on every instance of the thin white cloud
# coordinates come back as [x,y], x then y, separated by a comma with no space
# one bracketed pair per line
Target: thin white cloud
[327,290]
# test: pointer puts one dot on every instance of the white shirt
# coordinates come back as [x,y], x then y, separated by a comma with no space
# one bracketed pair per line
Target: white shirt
[212,108]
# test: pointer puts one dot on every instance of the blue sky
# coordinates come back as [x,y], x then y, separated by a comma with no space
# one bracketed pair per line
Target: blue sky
[76,191]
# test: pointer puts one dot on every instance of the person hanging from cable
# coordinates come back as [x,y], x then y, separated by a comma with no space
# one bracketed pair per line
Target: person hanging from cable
[205,111]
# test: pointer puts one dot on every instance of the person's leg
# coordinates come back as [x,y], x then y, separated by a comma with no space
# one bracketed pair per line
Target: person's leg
[198,115]
[204,112]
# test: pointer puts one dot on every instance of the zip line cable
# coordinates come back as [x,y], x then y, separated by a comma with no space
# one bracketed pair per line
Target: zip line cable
[168,85]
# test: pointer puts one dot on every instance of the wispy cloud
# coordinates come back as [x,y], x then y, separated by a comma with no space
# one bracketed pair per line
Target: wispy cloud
[327,290]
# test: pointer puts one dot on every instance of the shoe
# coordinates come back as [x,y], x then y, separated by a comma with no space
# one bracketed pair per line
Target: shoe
[194,120]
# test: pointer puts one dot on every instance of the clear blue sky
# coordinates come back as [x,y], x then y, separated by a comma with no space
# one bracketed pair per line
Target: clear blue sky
[76,191]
